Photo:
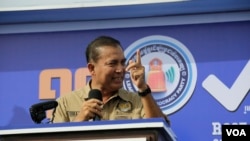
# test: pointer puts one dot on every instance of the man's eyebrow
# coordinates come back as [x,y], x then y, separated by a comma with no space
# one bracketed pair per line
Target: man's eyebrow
[114,60]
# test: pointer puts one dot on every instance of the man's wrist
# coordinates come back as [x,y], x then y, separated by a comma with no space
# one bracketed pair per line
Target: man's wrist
[144,92]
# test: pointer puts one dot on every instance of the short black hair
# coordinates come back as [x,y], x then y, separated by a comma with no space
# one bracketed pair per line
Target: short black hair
[92,52]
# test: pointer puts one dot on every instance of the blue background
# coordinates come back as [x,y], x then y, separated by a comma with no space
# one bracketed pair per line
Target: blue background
[221,48]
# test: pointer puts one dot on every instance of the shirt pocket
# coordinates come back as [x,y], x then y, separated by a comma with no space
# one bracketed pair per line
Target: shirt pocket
[72,114]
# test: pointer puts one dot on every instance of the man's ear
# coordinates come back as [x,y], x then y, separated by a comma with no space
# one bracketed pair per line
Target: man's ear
[91,68]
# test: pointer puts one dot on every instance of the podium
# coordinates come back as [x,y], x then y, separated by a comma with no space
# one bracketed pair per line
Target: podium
[155,129]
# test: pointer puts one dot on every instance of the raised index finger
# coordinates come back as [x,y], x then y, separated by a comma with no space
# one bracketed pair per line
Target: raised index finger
[138,57]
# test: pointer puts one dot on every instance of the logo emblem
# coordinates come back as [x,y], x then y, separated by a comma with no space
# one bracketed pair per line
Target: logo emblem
[170,70]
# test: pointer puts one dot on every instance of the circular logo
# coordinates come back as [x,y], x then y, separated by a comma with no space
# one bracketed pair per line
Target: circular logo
[170,70]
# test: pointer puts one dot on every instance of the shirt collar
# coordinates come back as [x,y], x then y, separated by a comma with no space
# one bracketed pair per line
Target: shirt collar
[121,92]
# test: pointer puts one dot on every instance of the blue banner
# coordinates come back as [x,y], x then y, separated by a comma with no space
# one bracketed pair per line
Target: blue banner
[199,73]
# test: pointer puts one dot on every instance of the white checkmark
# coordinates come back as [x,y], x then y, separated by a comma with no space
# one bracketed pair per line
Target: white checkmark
[232,97]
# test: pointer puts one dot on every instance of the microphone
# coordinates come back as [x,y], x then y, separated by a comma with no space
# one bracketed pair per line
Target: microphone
[37,111]
[95,93]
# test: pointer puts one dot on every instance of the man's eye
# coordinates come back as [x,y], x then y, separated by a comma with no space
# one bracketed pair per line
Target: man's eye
[111,63]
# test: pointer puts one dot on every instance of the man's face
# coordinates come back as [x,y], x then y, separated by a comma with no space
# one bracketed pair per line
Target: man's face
[110,68]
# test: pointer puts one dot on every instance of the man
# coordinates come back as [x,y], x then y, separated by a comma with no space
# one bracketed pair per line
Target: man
[106,64]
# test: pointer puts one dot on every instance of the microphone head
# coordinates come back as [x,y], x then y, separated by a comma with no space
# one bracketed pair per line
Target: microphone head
[43,106]
[37,111]
[95,93]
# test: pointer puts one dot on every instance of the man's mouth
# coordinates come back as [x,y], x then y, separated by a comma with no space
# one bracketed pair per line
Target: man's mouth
[118,78]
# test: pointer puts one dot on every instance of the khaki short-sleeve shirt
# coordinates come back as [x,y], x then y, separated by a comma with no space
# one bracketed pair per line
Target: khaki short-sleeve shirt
[123,105]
